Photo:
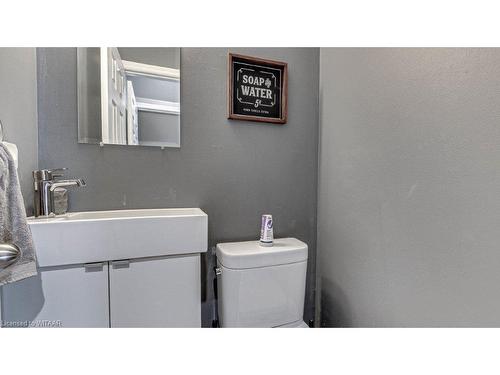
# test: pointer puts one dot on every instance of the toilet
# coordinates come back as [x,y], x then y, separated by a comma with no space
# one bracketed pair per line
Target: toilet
[261,286]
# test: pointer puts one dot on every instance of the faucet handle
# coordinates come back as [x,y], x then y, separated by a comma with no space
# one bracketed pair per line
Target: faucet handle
[57,172]
[47,174]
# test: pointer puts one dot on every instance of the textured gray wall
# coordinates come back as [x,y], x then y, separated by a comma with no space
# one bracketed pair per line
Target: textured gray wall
[409,192]
[164,56]
[89,95]
[158,127]
[18,111]
[233,170]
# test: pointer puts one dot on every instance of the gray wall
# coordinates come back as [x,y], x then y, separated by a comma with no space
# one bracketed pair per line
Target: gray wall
[155,88]
[18,111]
[89,95]
[158,128]
[234,170]
[164,56]
[409,191]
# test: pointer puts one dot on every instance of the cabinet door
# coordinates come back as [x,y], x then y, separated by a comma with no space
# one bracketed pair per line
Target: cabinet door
[69,296]
[156,292]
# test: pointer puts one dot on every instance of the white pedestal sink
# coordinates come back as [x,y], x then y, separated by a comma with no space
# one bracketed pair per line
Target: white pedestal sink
[129,268]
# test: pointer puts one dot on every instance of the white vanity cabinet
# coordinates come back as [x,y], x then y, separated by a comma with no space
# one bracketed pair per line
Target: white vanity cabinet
[156,292]
[146,292]
[128,268]
[68,296]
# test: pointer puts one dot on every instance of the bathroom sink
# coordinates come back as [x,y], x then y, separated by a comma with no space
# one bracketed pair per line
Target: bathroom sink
[97,236]
[122,214]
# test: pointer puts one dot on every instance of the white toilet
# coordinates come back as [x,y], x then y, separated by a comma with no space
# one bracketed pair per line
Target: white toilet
[261,286]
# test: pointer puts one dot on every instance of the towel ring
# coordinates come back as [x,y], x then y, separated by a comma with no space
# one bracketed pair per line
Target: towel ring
[9,253]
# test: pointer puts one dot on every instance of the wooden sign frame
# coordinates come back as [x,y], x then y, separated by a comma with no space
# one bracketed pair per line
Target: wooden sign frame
[268,92]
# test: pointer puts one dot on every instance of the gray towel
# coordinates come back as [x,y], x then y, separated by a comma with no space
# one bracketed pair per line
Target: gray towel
[14,228]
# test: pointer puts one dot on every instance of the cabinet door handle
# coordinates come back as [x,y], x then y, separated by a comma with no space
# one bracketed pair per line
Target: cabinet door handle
[120,264]
[93,267]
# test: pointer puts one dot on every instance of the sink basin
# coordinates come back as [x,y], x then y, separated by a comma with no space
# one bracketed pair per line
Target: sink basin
[122,214]
[97,236]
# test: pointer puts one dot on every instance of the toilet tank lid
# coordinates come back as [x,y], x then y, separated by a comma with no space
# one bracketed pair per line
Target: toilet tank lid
[249,254]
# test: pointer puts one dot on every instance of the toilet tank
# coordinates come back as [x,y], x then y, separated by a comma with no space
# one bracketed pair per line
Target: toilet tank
[261,286]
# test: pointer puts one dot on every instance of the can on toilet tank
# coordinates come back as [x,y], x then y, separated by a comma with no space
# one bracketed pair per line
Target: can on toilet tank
[266,230]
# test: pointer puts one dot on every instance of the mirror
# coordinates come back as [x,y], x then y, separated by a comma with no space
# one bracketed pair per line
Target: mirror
[129,96]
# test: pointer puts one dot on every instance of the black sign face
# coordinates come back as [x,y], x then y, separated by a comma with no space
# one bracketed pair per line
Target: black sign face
[257,89]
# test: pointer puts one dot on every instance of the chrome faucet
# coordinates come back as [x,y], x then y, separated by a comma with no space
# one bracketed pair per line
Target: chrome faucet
[45,182]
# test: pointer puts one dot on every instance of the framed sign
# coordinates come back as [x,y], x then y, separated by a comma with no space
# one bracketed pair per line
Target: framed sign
[257,89]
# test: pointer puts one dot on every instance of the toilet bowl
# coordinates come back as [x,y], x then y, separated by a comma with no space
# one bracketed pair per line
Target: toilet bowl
[261,286]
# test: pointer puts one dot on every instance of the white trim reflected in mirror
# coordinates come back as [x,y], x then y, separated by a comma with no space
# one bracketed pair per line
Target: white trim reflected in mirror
[132,67]
[158,106]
